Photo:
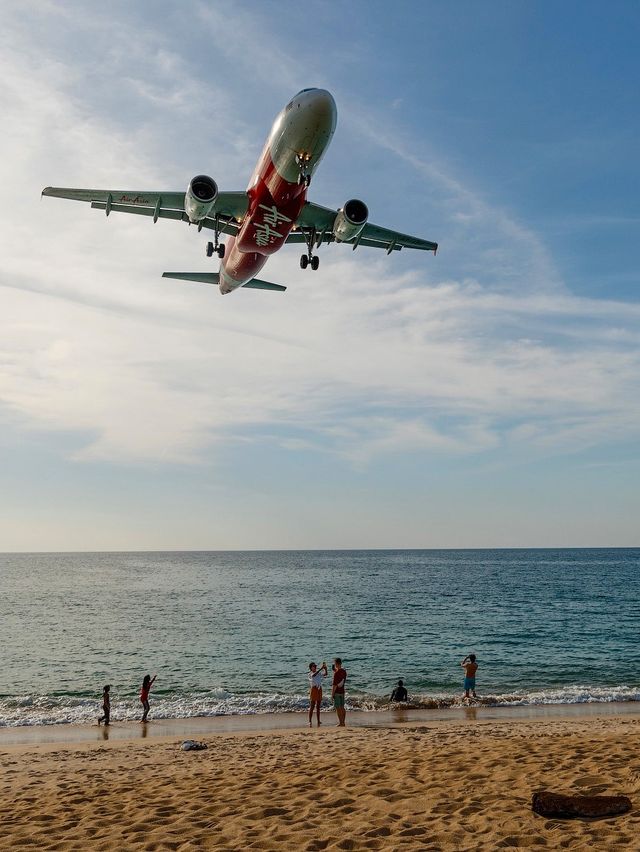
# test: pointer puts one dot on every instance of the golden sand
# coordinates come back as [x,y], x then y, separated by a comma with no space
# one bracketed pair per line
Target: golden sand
[445,786]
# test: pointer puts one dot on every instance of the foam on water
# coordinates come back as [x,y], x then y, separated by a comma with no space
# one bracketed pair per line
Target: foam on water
[60,710]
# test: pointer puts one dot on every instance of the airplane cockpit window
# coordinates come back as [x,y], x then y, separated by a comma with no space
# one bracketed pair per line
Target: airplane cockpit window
[293,99]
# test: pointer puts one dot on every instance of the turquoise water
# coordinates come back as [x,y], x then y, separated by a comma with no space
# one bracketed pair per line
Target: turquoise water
[231,632]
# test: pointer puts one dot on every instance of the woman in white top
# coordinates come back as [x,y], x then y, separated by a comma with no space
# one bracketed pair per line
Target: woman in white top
[316,676]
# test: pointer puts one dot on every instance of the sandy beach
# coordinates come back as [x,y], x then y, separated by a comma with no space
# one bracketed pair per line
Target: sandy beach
[442,785]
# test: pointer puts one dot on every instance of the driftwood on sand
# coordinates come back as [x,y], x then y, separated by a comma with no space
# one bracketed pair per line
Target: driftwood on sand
[558,805]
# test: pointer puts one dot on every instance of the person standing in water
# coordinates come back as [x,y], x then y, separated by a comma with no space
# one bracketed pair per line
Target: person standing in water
[147,683]
[106,706]
[470,668]
[316,676]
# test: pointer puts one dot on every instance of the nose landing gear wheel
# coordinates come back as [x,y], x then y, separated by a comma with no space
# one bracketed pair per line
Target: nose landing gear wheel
[304,261]
[210,249]
[304,177]
[220,251]
[315,262]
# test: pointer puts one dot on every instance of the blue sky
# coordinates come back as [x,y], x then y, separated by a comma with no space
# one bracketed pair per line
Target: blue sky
[485,397]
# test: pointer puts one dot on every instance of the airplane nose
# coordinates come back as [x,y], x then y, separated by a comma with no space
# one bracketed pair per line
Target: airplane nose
[323,106]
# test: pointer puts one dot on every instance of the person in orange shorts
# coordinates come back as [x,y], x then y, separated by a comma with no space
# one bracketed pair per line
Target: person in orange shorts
[316,676]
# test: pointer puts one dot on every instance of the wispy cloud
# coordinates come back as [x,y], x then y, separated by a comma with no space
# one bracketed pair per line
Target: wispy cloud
[363,359]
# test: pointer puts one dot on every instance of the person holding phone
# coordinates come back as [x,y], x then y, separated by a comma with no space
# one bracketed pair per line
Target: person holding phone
[316,676]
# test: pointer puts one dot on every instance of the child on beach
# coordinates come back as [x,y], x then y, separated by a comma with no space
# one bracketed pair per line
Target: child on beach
[316,676]
[106,706]
[147,683]
[470,668]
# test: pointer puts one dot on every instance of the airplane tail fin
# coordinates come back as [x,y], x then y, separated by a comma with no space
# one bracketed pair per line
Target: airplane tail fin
[214,278]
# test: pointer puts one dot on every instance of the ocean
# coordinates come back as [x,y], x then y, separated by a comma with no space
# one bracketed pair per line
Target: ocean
[234,632]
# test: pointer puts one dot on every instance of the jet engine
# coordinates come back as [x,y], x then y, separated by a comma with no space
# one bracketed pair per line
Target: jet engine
[200,197]
[350,220]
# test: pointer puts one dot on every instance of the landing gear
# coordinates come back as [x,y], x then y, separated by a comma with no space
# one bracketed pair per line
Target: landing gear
[310,259]
[211,250]
[304,178]
[215,247]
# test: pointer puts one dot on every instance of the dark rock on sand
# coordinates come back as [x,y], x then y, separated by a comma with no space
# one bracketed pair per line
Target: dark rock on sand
[558,805]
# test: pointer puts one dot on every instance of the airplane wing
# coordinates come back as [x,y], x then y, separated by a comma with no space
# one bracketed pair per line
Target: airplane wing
[321,219]
[229,206]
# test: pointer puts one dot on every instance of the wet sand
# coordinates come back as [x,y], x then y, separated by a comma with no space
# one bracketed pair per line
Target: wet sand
[440,784]
[196,727]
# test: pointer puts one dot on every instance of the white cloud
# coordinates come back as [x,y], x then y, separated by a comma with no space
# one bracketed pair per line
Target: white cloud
[359,359]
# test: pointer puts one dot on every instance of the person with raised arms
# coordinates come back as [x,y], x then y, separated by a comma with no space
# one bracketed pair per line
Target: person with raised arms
[316,676]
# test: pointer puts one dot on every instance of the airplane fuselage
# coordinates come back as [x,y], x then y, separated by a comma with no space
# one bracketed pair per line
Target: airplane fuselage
[277,191]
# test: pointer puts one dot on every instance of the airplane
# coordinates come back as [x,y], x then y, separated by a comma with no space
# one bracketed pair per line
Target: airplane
[273,211]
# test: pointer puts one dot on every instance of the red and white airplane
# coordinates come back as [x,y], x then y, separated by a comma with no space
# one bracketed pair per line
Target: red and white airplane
[273,211]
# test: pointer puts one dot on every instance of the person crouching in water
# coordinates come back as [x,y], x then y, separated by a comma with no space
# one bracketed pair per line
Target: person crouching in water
[316,676]
[106,705]
[400,692]
[147,683]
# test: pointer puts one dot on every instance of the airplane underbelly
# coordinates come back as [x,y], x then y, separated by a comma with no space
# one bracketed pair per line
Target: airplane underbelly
[238,267]
[301,133]
[274,206]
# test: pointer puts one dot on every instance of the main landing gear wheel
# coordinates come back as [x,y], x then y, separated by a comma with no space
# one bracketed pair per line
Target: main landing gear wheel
[310,259]
[214,247]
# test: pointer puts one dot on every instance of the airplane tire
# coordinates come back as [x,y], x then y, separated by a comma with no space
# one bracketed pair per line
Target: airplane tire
[315,262]
[304,261]
[221,251]
[209,249]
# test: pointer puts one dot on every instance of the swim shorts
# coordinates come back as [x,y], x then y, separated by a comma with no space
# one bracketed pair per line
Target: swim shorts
[338,700]
[316,694]
[469,683]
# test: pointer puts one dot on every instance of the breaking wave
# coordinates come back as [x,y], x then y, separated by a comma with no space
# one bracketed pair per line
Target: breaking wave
[81,709]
